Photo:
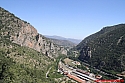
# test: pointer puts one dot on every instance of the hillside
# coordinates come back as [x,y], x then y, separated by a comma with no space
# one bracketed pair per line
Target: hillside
[21,64]
[105,49]
[75,41]
[24,34]
[25,55]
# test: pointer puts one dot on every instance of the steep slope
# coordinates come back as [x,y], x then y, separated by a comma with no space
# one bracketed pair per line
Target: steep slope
[103,31]
[24,34]
[20,64]
[25,55]
[105,49]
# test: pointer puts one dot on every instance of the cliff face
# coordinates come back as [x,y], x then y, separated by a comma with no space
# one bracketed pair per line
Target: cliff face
[24,34]
[85,54]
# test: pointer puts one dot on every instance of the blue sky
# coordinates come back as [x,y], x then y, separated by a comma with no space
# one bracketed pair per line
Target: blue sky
[68,18]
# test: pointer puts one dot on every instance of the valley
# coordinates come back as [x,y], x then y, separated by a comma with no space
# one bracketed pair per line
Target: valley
[27,56]
[84,75]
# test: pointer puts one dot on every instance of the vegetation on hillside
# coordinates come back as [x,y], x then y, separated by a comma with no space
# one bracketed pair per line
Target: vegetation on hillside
[19,63]
[107,48]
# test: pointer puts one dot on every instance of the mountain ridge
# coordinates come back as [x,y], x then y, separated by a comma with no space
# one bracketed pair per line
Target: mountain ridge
[64,43]
[76,41]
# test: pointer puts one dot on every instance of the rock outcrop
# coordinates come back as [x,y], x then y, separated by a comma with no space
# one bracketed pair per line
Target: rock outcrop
[24,34]
[85,54]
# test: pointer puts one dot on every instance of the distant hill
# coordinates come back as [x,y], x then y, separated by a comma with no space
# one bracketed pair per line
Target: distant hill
[64,43]
[76,41]
[105,49]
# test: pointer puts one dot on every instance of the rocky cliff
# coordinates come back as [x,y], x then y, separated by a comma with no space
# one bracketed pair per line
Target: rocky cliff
[24,34]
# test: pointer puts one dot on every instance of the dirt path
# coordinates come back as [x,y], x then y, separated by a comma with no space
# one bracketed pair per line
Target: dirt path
[48,72]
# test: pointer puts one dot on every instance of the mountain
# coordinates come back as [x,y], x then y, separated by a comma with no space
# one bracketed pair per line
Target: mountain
[24,34]
[105,49]
[76,41]
[26,55]
[64,43]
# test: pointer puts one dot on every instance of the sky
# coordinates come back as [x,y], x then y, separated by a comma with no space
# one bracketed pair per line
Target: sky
[68,18]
